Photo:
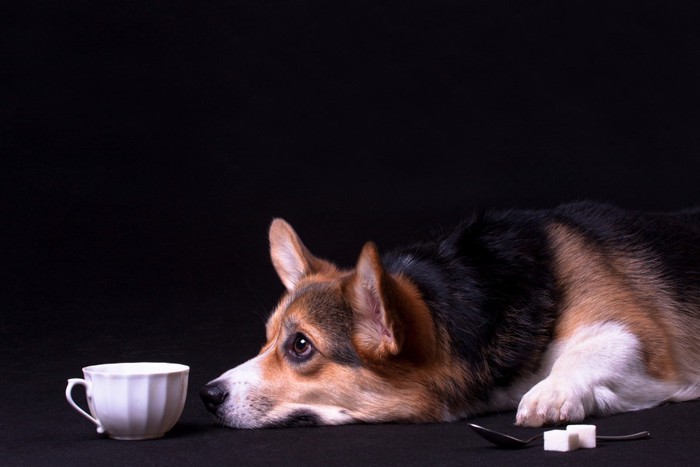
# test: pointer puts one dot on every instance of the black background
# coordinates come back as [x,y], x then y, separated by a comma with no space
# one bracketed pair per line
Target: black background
[146,146]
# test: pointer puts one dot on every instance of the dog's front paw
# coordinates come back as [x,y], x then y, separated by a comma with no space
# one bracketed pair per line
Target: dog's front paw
[551,401]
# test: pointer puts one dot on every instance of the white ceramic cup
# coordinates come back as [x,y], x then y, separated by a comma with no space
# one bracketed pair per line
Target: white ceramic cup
[133,401]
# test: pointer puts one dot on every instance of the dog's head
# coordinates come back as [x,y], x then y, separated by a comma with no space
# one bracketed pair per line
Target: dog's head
[342,346]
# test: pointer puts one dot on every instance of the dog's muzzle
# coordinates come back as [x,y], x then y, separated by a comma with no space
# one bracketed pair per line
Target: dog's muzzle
[212,396]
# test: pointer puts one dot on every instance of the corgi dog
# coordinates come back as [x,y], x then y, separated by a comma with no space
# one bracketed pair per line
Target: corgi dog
[578,311]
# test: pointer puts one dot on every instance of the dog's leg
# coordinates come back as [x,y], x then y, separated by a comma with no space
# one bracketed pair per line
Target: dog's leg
[600,370]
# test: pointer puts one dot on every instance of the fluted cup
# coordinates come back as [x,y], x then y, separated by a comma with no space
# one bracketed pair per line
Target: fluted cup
[133,401]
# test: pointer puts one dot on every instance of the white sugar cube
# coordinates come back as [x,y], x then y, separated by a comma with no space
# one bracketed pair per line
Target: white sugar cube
[586,434]
[560,440]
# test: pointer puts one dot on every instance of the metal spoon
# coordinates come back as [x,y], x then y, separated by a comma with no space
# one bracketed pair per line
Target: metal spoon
[510,442]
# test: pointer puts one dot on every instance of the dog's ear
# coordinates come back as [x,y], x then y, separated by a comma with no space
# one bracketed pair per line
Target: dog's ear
[377,327]
[291,259]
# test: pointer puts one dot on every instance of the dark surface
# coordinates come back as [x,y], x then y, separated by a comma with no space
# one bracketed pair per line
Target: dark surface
[146,146]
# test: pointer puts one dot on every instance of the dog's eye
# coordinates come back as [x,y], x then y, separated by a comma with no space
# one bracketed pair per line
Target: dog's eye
[300,347]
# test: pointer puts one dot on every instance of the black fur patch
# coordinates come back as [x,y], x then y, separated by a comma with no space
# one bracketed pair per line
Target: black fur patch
[488,282]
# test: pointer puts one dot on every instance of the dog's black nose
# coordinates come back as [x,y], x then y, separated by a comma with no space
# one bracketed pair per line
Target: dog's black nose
[212,396]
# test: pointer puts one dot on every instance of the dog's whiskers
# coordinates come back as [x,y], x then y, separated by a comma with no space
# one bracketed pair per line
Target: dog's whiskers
[265,312]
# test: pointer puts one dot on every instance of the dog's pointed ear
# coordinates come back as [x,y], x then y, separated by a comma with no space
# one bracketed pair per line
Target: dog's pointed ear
[377,331]
[291,259]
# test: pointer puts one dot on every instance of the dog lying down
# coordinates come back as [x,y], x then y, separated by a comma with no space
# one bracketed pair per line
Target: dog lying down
[582,310]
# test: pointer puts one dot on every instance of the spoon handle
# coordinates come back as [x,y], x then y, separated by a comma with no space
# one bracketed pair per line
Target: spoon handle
[640,435]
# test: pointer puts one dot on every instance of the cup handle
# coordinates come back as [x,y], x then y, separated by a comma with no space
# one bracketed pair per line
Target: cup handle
[69,397]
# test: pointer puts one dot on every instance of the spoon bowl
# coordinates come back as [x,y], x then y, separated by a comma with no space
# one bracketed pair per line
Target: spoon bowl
[511,442]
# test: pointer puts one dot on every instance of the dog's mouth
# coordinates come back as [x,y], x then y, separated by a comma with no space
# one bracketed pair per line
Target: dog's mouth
[299,418]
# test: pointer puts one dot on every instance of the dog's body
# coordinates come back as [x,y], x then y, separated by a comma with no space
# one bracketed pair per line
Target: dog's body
[578,311]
